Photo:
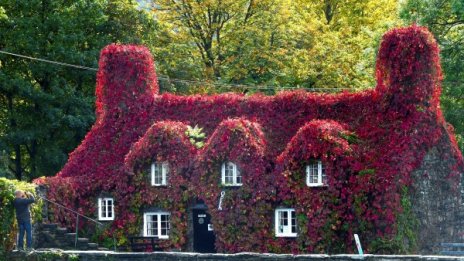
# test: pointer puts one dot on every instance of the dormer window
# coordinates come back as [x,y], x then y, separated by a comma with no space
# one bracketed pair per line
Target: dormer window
[231,175]
[315,174]
[159,173]
[105,209]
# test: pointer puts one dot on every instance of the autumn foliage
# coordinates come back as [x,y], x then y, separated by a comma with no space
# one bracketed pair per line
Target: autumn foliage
[370,142]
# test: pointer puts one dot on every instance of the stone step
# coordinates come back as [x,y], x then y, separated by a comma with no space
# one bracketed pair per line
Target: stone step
[70,236]
[47,236]
[50,227]
[82,240]
[83,247]
[61,230]
[53,236]
[60,238]
[92,246]
[83,243]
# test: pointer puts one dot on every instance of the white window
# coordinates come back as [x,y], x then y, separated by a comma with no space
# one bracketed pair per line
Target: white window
[315,174]
[156,224]
[159,173]
[285,222]
[105,209]
[231,175]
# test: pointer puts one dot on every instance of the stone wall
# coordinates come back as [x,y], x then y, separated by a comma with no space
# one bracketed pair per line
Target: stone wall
[436,202]
[172,256]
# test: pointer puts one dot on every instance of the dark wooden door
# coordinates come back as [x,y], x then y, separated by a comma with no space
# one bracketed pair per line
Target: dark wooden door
[203,234]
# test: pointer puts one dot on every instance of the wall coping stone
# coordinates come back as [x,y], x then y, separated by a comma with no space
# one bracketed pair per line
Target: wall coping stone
[96,255]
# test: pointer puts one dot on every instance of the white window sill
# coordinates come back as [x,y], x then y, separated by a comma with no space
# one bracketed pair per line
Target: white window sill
[286,235]
[105,219]
[317,185]
[161,237]
[232,185]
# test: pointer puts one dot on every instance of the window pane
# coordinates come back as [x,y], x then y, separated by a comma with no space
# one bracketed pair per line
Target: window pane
[103,208]
[152,225]
[285,218]
[109,208]
[165,174]
[323,176]
[149,228]
[239,177]
[293,219]
[155,225]
[280,221]
[159,173]
[165,226]
[313,175]
[229,174]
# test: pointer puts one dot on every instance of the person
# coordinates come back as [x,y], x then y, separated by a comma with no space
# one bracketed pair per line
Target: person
[21,203]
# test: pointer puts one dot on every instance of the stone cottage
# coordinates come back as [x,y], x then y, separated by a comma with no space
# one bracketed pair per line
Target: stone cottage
[295,172]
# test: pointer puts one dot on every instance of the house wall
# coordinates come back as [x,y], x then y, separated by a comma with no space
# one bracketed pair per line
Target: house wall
[437,203]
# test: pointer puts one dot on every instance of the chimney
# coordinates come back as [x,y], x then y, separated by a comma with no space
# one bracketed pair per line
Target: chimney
[408,69]
[126,81]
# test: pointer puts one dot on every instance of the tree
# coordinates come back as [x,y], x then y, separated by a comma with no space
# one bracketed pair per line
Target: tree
[340,41]
[445,19]
[278,42]
[45,109]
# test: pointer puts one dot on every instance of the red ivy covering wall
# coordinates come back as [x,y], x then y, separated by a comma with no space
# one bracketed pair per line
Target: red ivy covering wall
[244,223]
[323,212]
[164,141]
[370,141]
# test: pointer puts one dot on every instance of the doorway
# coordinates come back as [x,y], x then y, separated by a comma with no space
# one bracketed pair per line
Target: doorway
[203,233]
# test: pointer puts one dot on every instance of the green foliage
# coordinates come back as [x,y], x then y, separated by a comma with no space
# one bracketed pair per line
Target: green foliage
[5,172]
[445,19]
[73,257]
[367,172]
[351,137]
[45,110]
[51,255]
[196,136]
[319,44]
[8,225]
[408,225]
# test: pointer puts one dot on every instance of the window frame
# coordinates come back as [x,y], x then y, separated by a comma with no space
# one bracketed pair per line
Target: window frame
[164,174]
[289,225]
[235,175]
[158,214]
[100,205]
[321,175]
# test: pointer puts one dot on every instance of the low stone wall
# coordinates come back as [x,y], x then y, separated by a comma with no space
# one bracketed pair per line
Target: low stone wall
[58,255]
